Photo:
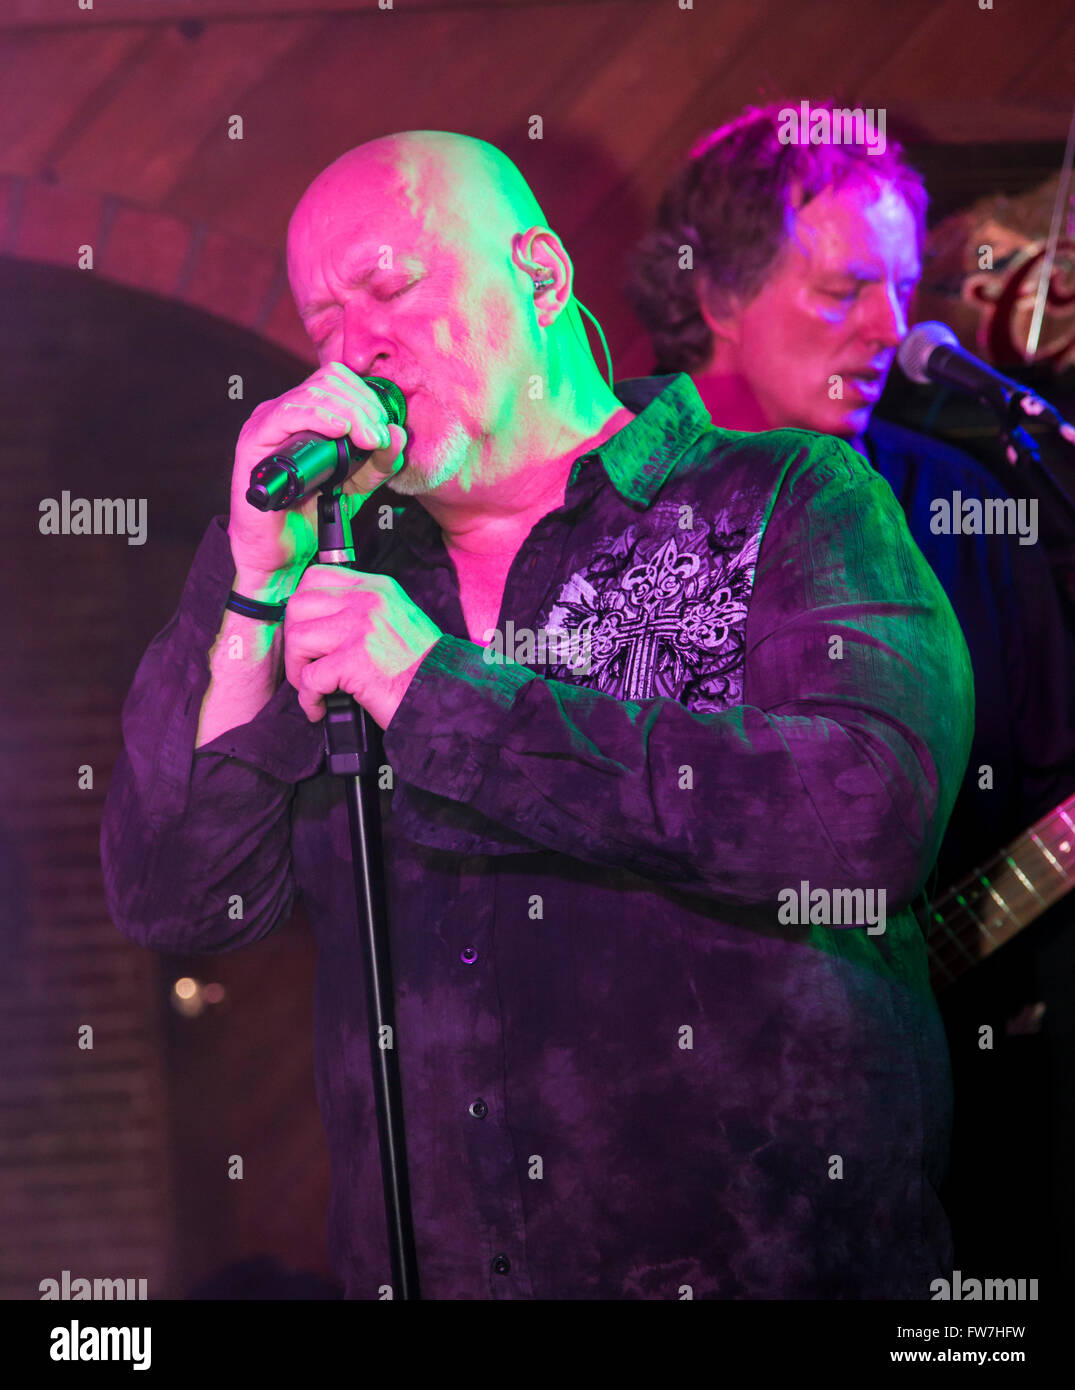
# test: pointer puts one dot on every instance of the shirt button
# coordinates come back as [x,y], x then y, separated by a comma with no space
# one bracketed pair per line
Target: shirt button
[501,1264]
[479,1109]
[468,955]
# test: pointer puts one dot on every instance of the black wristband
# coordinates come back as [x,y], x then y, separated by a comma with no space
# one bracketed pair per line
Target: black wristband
[254,608]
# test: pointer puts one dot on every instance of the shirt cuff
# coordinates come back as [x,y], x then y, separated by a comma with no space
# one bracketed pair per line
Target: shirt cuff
[279,740]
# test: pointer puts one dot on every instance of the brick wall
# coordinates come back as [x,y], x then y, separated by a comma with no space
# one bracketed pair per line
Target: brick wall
[109,1157]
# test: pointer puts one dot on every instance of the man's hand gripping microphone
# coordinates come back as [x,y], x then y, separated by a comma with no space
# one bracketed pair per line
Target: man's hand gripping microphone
[307,462]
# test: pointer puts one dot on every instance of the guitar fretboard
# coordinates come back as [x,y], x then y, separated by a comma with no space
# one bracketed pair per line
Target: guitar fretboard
[987,908]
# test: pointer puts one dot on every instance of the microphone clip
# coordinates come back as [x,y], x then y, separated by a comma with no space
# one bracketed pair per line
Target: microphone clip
[335,542]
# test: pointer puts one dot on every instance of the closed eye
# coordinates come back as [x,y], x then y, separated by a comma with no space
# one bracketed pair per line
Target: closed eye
[320,327]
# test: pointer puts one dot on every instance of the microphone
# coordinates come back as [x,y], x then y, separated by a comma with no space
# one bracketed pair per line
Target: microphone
[931,352]
[307,462]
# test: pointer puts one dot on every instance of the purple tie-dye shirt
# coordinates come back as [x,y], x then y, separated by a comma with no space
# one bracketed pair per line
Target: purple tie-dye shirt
[628,1070]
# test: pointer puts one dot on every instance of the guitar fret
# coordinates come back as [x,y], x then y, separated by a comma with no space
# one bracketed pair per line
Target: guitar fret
[1051,858]
[1017,871]
[1036,857]
[997,898]
[954,939]
[984,931]
[990,905]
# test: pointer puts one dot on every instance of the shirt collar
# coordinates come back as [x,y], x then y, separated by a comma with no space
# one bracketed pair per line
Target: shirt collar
[669,417]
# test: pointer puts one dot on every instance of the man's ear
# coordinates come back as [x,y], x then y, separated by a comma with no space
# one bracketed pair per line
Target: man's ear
[540,250]
[540,254]
[720,308]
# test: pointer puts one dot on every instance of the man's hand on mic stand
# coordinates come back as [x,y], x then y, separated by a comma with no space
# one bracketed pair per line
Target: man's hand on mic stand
[345,630]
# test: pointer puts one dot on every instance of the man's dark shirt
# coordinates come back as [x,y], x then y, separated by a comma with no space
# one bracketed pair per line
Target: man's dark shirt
[624,1076]
[1009,1181]
[1004,596]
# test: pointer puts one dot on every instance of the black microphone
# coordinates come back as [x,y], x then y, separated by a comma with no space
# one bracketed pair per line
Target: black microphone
[307,462]
[931,352]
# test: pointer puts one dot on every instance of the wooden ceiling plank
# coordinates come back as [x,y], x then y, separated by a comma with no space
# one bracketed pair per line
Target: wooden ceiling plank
[65,14]
[1049,76]
[360,95]
[962,53]
[982,122]
[144,138]
[47,81]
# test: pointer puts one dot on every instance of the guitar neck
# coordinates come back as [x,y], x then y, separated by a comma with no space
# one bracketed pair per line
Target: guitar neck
[994,903]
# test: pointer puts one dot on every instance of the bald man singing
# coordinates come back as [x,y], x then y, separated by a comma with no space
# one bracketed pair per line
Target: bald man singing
[673,720]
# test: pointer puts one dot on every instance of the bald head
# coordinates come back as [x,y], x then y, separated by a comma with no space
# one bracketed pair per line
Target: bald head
[424,257]
[450,186]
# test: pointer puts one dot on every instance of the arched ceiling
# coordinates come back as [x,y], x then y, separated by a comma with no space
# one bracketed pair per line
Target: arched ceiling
[114,125]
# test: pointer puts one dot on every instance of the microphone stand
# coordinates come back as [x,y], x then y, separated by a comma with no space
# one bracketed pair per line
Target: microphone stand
[1017,408]
[352,744]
